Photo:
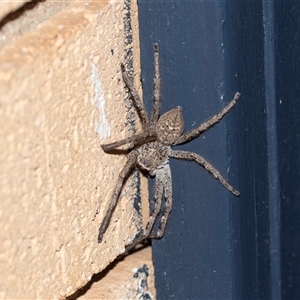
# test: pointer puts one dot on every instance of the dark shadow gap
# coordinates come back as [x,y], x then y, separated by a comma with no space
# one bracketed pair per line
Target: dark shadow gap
[97,277]
[19,12]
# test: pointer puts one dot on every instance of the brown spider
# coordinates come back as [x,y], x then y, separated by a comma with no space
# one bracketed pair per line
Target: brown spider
[151,149]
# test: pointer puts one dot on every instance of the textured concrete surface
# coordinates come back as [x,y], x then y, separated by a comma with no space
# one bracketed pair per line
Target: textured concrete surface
[18,18]
[9,7]
[129,278]
[61,97]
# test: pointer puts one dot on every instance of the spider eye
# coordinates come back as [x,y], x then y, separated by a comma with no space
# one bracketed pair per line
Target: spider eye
[170,126]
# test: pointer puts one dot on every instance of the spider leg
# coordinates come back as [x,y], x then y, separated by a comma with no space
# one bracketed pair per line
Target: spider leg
[136,98]
[167,183]
[158,194]
[124,174]
[156,89]
[186,155]
[137,139]
[209,123]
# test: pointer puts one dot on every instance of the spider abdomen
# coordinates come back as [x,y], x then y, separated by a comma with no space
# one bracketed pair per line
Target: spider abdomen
[152,155]
[170,126]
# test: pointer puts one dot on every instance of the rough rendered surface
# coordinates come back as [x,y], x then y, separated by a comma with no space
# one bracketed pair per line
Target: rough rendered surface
[8,7]
[19,17]
[130,278]
[62,96]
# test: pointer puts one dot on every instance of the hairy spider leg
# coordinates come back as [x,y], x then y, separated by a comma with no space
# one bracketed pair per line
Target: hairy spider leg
[124,174]
[163,175]
[209,123]
[156,90]
[191,156]
[133,141]
[139,105]
[157,207]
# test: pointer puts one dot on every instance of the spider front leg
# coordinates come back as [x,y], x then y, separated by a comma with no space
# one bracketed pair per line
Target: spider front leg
[186,155]
[206,125]
[163,188]
[124,174]
[166,177]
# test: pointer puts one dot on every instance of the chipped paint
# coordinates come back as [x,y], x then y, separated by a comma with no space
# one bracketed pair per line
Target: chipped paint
[140,281]
[102,126]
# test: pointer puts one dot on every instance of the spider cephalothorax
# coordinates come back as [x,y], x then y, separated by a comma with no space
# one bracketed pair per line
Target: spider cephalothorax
[151,149]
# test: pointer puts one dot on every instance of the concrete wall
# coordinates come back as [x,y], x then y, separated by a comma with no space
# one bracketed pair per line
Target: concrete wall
[61,97]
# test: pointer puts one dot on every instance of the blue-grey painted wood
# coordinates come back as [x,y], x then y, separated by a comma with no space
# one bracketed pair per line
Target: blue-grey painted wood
[217,246]
[287,82]
[251,226]
[274,186]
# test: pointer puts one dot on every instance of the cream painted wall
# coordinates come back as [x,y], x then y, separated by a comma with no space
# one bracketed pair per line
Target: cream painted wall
[61,97]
